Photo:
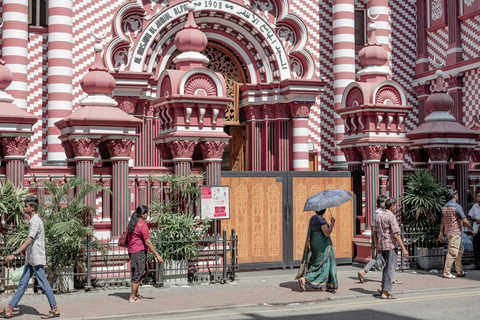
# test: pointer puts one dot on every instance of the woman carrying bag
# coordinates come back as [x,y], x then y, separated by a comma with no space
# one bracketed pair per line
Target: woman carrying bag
[138,245]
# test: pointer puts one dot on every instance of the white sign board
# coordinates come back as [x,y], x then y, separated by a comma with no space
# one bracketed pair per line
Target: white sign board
[214,202]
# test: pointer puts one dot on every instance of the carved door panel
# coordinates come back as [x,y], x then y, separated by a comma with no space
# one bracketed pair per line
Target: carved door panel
[237,149]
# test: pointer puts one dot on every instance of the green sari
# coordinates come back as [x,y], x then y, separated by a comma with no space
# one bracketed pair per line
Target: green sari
[321,270]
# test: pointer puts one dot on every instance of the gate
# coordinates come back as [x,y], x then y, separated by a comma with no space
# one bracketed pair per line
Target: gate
[266,211]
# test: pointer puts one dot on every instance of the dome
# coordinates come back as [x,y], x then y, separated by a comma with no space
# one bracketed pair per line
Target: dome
[190,38]
[98,80]
[439,100]
[6,76]
[373,54]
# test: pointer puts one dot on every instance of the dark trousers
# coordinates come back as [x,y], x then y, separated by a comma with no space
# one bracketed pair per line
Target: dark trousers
[476,249]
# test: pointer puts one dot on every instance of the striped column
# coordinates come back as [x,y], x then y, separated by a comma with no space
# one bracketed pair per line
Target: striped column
[439,157]
[421,65]
[254,132]
[60,66]
[142,192]
[396,157]
[300,111]
[461,160]
[371,161]
[383,31]
[182,153]
[14,149]
[212,152]
[454,52]
[282,138]
[15,47]
[344,66]
[106,200]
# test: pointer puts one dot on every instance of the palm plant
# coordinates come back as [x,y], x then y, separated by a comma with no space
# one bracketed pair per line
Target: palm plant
[423,199]
[11,204]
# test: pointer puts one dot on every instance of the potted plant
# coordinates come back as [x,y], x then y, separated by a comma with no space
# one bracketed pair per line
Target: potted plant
[178,224]
[422,204]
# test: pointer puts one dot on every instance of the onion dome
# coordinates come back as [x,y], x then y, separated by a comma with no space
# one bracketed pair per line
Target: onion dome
[439,100]
[98,80]
[6,76]
[190,38]
[373,54]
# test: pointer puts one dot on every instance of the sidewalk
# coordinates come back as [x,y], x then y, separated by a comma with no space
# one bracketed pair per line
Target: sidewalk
[250,288]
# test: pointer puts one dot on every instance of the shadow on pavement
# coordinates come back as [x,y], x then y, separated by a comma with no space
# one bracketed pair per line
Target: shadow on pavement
[26,310]
[361,290]
[294,286]
[366,314]
[123,295]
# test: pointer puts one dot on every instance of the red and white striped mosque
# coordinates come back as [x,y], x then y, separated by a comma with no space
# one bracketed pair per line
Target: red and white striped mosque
[112,90]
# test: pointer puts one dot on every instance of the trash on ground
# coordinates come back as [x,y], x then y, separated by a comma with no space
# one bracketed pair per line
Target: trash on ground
[433,271]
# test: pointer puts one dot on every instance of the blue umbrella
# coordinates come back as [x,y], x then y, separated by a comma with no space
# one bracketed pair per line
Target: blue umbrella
[327,199]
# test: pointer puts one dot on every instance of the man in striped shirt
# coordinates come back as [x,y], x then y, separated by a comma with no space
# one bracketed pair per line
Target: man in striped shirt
[453,219]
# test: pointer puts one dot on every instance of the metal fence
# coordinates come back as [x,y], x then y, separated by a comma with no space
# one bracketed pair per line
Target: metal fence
[103,263]
[424,250]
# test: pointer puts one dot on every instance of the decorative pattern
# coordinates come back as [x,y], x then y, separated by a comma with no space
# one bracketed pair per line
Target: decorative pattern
[299,218]
[126,104]
[257,220]
[354,98]
[396,153]
[213,149]
[120,147]
[200,85]
[372,152]
[352,154]
[14,146]
[241,201]
[84,147]
[462,154]
[418,156]
[300,109]
[471,97]
[388,95]
[182,148]
[274,224]
[439,153]
[470,30]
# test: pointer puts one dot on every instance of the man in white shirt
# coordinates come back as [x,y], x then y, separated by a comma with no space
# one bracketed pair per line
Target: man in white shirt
[474,214]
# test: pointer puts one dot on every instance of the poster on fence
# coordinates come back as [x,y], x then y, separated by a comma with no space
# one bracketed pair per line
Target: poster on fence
[214,202]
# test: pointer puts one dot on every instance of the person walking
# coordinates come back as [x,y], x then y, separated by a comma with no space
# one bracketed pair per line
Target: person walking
[378,260]
[453,219]
[320,272]
[138,245]
[474,214]
[35,261]
[387,240]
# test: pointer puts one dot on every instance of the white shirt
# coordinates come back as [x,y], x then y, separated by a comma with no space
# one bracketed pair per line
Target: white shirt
[474,213]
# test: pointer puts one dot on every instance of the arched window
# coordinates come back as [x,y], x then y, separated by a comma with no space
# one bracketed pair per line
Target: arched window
[37,13]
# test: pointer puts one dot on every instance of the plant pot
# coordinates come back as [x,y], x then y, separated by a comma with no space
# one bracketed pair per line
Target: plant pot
[429,258]
[64,282]
[175,272]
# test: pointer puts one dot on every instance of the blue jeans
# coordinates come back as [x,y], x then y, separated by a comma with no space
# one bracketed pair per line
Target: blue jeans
[42,280]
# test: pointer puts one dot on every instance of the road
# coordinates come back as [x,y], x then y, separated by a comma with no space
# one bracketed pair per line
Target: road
[443,304]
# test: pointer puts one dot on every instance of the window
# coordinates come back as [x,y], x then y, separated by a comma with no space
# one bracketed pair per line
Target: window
[37,13]
[360,27]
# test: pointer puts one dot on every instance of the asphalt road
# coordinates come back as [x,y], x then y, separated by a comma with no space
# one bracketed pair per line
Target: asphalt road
[454,304]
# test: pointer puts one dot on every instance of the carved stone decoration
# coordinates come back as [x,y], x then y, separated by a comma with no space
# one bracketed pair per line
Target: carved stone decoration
[281,111]
[107,182]
[396,153]
[213,149]
[126,104]
[287,36]
[476,156]
[200,85]
[132,24]
[27,183]
[182,148]
[142,183]
[14,146]
[455,81]
[103,150]
[264,6]
[84,147]
[418,155]
[422,90]
[144,108]
[165,153]
[253,112]
[352,154]
[120,147]
[296,68]
[354,98]
[372,152]
[462,154]
[166,87]
[300,109]
[67,146]
[439,153]
[437,9]
[388,95]
[120,59]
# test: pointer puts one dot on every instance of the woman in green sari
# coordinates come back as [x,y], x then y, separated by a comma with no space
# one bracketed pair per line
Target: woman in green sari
[320,272]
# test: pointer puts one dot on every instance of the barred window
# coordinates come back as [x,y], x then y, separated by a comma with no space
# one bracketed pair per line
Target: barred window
[360,27]
[37,13]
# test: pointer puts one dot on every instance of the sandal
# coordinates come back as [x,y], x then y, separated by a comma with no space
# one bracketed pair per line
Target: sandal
[331,290]
[397,281]
[379,290]
[360,277]
[51,314]
[450,276]
[389,297]
[137,299]
[3,314]
[463,274]
[301,283]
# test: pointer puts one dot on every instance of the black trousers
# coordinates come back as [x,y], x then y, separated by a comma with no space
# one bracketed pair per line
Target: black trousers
[476,249]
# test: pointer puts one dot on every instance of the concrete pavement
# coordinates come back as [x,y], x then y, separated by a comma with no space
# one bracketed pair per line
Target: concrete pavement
[266,287]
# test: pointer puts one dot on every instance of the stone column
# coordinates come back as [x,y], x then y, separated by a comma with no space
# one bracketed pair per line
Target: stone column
[423,92]
[396,156]
[142,191]
[371,160]
[282,129]
[455,90]
[14,149]
[84,151]
[182,153]
[165,154]
[354,160]
[300,111]
[255,155]
[461,159]
[439,157]
[212,152]
[476,158]
[106,200]
[120,150]
[454,52]
[419,157]
[421,64]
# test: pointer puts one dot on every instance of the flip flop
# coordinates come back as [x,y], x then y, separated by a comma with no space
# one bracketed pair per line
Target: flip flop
[51,314]
[3,314]
[389,297]
[137,299]
[463,274]
[397,281]
[301,284]
[360,277]
[380,290]
[450,276]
